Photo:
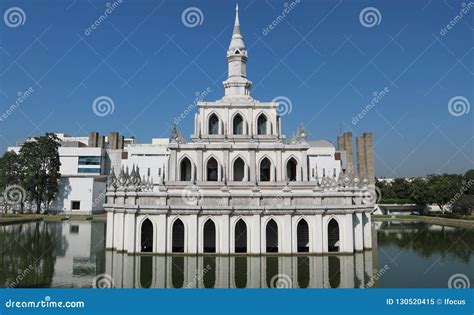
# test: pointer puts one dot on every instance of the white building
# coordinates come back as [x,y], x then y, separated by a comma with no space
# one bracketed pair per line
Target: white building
[151,159]
[239,187]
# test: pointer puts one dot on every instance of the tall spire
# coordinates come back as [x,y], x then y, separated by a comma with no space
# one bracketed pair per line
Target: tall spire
[237,22]
[237,83]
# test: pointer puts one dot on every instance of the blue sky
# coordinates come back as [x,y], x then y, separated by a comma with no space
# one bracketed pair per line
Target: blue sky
[319,55]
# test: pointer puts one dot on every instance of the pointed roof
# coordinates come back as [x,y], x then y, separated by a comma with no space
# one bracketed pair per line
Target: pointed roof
[237,22]
[237,41]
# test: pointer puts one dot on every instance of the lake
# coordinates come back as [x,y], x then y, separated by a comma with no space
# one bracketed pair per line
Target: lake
[71,254]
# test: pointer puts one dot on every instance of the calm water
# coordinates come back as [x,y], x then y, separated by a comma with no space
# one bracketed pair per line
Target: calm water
[71,254]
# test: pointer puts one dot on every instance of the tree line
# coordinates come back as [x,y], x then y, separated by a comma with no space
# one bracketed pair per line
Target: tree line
[451,192]
[29,180]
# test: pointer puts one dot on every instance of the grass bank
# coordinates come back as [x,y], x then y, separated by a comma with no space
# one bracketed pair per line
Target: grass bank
[467,222]
[30,217]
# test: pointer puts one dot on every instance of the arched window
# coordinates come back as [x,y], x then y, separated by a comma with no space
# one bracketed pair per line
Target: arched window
[265,170]
[213,125]
[271,233]
[239,170]
[185,169]
[302,236]
[240,237]
[177,238]
[209,237]
[238,125]
[291,170]
[262,125]
[147,236]
[333,236]
[212,170]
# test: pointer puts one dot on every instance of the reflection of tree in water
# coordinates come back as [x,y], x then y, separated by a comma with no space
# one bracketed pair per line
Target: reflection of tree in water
[30,250]
[425,241]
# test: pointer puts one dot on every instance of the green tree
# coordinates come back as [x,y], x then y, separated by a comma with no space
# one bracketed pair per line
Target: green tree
[400,188]
[40,167]
[464,205]
[10,173]
[444,188]
[469,182]
[420,191]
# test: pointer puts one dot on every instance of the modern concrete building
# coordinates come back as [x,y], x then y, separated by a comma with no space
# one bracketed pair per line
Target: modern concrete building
[85,164]
[239,186]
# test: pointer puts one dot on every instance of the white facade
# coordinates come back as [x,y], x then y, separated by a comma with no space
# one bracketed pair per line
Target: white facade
[82,185]
[152,159]
[239,187]
[322,160]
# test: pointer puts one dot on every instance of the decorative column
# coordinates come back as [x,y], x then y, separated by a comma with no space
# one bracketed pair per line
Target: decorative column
[129,232]
[109,241]
[348,234]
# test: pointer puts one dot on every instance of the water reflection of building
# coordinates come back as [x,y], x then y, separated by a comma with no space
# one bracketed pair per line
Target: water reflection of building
[328,271]
[83,257]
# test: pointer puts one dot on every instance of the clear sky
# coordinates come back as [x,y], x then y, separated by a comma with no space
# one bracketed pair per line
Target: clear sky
[327,57]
